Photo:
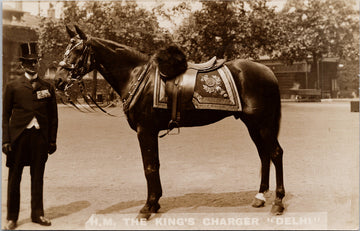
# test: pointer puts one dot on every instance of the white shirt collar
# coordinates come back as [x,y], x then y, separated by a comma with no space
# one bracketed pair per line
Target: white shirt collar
[30,77]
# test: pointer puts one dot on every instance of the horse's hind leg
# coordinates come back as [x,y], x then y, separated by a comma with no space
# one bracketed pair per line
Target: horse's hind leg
[265,139]
[148,140]
[276,158]
[259,200]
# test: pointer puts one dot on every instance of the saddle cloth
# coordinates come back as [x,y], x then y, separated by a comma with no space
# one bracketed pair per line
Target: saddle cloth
[201,89]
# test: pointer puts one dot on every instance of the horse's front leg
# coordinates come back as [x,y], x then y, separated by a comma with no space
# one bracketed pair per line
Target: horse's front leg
[148,139]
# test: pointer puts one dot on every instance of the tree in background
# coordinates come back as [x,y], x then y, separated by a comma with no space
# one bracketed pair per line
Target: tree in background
[319,28]
[264,31]
[226,29]
[230,29]
[120,21]
[136,27]
[211,31]
[51,43]
[53,38]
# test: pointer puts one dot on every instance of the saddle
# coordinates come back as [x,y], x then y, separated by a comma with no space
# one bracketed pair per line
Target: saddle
[213,62]
[206,85]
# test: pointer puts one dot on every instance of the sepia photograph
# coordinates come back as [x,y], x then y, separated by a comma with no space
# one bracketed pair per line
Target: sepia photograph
[180,115]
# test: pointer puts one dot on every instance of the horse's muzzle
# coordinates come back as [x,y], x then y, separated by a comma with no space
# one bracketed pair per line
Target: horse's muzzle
[60,84]
[61,78]
[65,65]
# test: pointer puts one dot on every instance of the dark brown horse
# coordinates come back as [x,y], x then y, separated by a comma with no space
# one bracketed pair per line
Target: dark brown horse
[121,66]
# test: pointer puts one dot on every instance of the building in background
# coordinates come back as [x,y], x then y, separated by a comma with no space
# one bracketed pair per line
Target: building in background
[301,75]
[18,27]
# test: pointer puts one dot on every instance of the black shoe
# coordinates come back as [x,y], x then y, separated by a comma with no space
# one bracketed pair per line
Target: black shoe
[42,221]
[10,225]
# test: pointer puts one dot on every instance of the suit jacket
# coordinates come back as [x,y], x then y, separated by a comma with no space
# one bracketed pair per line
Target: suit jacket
[21,102]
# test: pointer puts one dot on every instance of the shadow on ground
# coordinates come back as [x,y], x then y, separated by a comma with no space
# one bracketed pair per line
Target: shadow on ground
[61,211]
[194,200]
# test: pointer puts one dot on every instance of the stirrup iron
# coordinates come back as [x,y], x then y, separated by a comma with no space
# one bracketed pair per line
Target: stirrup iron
[172,124]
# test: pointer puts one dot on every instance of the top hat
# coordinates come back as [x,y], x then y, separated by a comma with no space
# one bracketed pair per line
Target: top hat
[28,51]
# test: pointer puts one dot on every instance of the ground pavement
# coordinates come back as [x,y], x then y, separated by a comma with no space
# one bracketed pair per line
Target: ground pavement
[209,174]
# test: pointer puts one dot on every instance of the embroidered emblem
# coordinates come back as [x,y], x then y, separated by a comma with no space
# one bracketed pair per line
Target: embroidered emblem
[43,94]
[213,85]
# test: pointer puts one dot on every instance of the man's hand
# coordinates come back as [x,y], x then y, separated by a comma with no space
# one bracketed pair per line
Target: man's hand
[52,148]
[6,148]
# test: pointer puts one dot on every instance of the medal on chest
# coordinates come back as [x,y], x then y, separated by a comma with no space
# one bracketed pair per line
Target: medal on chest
[43,94]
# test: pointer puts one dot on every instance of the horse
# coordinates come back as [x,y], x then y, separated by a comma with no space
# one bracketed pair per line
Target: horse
[122,65]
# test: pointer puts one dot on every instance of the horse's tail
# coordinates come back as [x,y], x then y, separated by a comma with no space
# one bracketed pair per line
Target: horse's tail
[277,111]
[274,100]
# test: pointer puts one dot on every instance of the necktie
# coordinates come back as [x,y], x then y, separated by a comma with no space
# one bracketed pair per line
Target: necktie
[33,82]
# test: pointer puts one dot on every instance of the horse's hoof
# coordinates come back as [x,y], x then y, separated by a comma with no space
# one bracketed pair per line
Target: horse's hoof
[155,208]
[143,216]
[257,203]
[278,207]
[147,210]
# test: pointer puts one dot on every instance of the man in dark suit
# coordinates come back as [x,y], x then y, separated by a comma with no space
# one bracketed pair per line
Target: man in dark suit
[29,126]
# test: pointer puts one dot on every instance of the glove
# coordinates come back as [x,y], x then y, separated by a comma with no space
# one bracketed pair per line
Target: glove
[6,148]
[52,148]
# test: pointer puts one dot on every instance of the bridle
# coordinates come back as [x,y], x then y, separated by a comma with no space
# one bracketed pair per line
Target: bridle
[86,63]
[83,65]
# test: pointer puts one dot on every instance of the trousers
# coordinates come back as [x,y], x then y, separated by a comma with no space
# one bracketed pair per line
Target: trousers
[29,149]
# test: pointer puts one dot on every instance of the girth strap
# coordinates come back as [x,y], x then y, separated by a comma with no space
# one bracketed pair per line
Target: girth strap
[175,109]
[175,112]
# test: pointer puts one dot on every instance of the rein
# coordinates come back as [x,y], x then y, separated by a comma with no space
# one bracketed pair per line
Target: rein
[86,97]
[77,71]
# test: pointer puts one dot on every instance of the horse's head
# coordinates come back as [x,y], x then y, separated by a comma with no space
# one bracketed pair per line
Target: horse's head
[78,60]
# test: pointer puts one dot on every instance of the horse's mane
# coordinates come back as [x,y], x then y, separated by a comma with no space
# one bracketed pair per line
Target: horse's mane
[121,48]
[171,60]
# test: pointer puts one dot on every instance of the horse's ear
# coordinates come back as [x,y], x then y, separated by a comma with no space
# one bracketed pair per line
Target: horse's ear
[80,33]
[71,33]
